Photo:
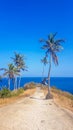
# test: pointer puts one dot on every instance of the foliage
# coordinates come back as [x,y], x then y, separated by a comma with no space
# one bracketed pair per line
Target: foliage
[18,60]
[11,71]
[44,60]
[17,92]
[19,63]
[52,46]
[20,90]
[5,92]
[30,86]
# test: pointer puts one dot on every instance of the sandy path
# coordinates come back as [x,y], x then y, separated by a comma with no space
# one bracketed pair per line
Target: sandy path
[34,113]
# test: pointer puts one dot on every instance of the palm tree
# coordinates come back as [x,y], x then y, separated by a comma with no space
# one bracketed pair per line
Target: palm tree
[44,61]
[51,46]
[19,63]
[11,72]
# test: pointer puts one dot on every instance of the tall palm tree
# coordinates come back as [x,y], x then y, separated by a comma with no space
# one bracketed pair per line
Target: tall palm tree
[19,63]
[52,46]
[11,72]
[44,61]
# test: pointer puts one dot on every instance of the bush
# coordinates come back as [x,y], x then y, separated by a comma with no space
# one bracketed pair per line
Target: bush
[29,86]
[17,92]
[5,92]
[20,90]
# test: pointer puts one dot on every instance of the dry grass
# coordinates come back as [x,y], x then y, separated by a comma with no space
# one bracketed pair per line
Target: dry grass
[9,100]
[61,98]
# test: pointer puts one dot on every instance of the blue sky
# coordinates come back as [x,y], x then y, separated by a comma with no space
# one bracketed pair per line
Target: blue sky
[24,22]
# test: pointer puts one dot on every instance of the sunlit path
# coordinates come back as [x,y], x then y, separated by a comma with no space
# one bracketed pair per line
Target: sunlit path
[35,113]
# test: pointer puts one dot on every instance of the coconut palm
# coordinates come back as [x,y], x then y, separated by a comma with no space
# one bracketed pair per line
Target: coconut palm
[52,46]
[19,63]
[44,61]
[11,72]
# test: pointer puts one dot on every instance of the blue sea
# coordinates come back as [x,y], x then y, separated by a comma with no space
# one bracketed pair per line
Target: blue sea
[64,83]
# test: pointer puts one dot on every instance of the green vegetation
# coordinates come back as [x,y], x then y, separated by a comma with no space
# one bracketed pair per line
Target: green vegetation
[14,70]
[11,72]
[51,46]
[17,92]
[19,63]
[5,93]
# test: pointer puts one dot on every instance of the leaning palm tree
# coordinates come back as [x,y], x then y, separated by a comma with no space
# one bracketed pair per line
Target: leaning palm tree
[44,61]
[11,72]
[19,63]
[51,46]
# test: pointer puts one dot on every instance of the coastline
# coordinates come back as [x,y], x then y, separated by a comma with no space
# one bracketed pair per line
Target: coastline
[63,83]
[63,99]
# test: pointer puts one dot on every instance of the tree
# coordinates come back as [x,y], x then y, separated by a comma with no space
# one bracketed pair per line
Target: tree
[44,61]
[11,72]
[18,60]
[52,46]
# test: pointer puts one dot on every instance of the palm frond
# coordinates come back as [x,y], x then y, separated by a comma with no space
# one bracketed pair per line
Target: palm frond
[54,34]
[3,69]
[44,60]
[59,41]
[55,58]
[5,74]
[41,40]
[53,46]
[44,47]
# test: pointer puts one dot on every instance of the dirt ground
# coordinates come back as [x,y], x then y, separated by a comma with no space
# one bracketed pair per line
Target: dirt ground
[35,113]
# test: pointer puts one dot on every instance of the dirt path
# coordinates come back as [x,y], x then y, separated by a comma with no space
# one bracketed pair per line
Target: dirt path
[35,113]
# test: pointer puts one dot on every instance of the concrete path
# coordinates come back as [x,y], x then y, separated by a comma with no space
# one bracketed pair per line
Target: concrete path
[35,113]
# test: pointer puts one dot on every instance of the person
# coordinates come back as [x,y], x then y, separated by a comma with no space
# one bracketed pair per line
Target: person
[44,81]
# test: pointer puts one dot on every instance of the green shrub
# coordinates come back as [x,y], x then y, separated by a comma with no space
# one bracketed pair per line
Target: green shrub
[5,92]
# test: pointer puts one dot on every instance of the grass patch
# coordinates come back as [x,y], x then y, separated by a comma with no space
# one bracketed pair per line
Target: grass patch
[17,92]
[65,94]
[5,92]
[16,95]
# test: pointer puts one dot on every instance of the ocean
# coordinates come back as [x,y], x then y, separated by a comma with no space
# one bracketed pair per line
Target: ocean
[62,83]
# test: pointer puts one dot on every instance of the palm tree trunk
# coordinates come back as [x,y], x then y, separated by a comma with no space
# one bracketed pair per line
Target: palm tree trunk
[49,75]
[19,82]
[43,73]
[14,83]
[48,96]
[9,83]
